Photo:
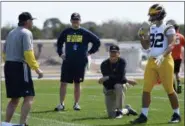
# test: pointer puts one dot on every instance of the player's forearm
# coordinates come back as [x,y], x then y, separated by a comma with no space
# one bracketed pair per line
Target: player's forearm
[59,48]
[169,49]
[171,45]
[60,43]
[95,46]
[30,59]
[145,43]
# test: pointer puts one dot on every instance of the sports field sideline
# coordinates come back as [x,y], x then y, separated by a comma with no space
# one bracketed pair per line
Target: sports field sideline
[93,108]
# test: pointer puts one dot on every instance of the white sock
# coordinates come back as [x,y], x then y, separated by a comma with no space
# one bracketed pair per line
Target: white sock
[76,103]
[145,111]
[177,111]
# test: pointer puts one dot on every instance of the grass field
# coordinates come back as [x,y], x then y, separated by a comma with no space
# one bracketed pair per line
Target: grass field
[92,104]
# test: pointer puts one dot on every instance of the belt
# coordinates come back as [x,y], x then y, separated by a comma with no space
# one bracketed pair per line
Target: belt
[152,57]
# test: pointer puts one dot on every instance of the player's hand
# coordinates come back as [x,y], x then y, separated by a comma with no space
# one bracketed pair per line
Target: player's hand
[132,82]
[103,79]
[40,73]
[159,60]
[63,56]
[141,32]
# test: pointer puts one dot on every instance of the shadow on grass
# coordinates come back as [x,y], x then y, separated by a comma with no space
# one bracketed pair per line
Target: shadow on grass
[128,124]
[105,118]
[47,111]
[90,118]
[161,123]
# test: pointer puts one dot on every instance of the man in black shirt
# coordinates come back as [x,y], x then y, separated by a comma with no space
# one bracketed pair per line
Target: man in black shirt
[114,82]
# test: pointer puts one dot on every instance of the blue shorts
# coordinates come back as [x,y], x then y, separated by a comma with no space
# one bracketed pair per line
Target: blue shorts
[73,71]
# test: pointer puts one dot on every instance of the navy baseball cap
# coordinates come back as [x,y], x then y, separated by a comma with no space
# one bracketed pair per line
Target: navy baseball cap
[25,16]
[75,16]
[114,48]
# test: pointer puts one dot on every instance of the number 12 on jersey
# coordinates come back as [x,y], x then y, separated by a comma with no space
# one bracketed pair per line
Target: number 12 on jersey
[156,40]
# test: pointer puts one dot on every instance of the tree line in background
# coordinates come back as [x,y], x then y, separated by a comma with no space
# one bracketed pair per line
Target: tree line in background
[52,27]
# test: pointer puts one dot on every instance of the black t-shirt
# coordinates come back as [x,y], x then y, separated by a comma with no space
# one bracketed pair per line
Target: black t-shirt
[115,71]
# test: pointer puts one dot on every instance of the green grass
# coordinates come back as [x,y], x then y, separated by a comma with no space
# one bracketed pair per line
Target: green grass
[92,104]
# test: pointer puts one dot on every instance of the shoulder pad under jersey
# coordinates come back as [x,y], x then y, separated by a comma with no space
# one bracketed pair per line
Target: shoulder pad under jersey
[168,26]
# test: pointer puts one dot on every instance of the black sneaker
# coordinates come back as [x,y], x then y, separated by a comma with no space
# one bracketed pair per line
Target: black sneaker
[131,111]
[59,108]
[141,119]
[175,118]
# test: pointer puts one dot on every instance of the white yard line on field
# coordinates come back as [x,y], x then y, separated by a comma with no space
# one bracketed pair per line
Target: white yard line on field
[51,121]
[159,98]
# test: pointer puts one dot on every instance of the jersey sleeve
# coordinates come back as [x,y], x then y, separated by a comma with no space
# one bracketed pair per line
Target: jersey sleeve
[95,42]
[28,51]
[170,30]
[60,42]
[27,41]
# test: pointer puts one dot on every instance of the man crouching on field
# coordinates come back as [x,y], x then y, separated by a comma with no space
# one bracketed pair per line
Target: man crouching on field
[114,82]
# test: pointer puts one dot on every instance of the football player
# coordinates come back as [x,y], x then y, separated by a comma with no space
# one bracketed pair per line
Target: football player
[177,54]
[160,40]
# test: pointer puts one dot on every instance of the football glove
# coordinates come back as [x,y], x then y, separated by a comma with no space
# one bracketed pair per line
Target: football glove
[141,32]
[159,60]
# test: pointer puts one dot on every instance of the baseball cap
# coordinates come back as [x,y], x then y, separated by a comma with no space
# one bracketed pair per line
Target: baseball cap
[114,48]
[75,16]
[24,16]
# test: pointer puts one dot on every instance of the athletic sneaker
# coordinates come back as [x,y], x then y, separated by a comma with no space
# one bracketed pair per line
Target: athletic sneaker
[141,119]
[60,107]
[76,107]
[119,114]
[175,118]
[131,111]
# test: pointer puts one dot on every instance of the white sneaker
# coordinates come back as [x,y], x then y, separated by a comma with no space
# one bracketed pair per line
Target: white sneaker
[60,108]
[76,107]
[119,117]
[119,114]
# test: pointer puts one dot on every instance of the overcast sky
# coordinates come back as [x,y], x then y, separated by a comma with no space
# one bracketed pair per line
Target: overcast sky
[90,11]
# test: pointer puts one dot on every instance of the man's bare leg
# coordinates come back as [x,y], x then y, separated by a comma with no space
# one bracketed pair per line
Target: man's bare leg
[77,92]
[146,99]
[174,102]
[63,87]
[11,107]
[26,107]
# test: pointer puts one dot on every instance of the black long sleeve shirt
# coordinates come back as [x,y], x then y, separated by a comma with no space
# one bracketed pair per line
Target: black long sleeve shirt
[76,43]
[115,71]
